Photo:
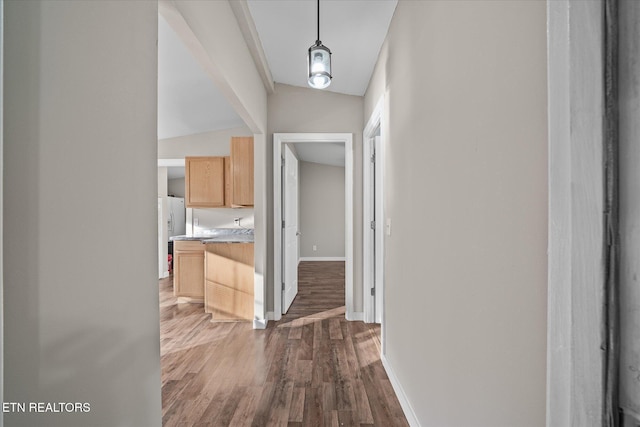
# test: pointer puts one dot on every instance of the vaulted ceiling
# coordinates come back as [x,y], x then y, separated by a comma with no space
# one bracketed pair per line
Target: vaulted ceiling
[354,30]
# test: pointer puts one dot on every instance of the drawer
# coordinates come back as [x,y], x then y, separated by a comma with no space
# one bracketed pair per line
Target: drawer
[188,245]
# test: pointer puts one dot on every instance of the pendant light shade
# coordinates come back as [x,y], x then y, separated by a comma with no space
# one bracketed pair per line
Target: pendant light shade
[319,62]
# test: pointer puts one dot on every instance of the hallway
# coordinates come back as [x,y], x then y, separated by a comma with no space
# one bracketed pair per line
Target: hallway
[311,368]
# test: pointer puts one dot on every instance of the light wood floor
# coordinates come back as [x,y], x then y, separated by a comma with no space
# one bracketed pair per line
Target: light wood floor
[312,368]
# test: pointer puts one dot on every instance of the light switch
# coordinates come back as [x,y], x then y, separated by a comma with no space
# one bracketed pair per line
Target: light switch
[195,221]
[388,226]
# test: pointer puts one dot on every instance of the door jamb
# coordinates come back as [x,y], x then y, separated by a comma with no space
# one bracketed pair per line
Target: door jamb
[279,139]
[375,121]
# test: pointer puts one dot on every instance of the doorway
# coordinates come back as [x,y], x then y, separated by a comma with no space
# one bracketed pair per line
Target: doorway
[280,141]
[373,222]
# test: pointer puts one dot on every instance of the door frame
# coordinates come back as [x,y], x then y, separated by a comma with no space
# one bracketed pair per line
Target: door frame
[283,208]
[279,139]
[375,122]
[575,55]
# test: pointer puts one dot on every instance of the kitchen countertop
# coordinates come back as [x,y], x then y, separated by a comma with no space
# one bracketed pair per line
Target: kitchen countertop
[230,238]
[220,235]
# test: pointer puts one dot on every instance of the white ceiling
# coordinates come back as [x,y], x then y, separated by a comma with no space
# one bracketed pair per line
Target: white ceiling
[188,101]
[323,153]
[354,30]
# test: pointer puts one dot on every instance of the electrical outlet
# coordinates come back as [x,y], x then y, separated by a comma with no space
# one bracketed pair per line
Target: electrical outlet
[315,248]
[388,226]
[236,221]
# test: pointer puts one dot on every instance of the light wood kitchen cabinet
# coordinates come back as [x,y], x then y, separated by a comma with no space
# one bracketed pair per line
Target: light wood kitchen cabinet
[242,171]
[227,182]
[229,281]
[188,270]
[204,182]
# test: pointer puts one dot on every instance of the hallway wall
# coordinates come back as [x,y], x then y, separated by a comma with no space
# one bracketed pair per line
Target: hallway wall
[297,109]
[466,146]
[81,276]
[322,210]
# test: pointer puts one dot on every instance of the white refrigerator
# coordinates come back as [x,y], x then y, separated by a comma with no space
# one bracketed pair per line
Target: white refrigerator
[176,219]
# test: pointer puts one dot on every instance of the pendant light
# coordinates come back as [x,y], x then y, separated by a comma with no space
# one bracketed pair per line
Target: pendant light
[319,62]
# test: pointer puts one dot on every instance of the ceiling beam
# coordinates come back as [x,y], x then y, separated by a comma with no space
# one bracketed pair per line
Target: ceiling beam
[248,27]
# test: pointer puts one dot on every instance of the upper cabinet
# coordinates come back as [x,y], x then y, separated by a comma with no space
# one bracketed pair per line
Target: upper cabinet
[204,182]
[216,182]
[241,171]
[227,182]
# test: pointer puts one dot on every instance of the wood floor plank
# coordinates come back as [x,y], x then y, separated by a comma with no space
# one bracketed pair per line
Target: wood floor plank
[313,412]
[312,368]
[296,412]
[362,403]
[335,331]
[247,407]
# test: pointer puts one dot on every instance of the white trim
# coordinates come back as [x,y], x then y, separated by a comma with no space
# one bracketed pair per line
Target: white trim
[375,120]
[260,323]
[575,52]
[322,258]
[409,413]
[368,300]
[1,209]
[355,316]
[170,163]
[284,138]
[270,316]
[165,274]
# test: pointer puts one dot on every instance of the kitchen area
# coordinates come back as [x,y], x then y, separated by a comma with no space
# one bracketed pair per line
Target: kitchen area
[212,260]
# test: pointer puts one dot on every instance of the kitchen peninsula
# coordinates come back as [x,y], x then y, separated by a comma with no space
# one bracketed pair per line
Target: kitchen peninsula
[216,268]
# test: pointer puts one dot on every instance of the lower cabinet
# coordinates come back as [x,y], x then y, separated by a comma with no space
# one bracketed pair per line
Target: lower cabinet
[188,270]
[229,281]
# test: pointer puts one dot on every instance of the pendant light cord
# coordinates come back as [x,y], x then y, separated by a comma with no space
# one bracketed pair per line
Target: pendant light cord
[318,39]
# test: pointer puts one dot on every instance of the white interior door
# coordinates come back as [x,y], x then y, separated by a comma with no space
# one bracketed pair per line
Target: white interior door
[290,234]
[378,232]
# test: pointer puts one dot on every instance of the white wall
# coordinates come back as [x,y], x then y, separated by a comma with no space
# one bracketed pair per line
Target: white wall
[466,155]
[322,210]
[80,278]
[219,218]
[214,143]
[296,109]
[175,187]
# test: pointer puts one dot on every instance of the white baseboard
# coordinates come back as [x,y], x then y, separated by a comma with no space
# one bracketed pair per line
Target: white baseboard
[322,258]
[354,316]
[260,323]
[270,315]
[164,275]
[402,397]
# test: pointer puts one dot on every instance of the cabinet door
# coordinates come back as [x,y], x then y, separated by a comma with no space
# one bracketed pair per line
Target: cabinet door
[227,182]
[229,271]
[204,182]
[188,269]
[242,171]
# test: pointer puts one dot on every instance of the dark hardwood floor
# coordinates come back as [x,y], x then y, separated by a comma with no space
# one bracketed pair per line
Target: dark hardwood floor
[312,368]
